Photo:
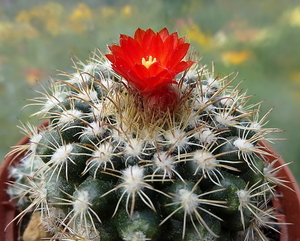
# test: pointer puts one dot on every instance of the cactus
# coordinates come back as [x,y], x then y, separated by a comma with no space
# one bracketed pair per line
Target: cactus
[144,145]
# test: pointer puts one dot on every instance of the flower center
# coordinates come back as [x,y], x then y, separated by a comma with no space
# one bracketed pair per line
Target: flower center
[149,62]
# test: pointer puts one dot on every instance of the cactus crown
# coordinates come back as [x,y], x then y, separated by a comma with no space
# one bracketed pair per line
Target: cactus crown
[142,145]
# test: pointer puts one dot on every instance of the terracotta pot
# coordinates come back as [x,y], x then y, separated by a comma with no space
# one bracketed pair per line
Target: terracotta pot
[287,203]
[7,208]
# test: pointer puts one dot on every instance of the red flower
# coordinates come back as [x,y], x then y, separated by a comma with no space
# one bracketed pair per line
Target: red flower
[149,61]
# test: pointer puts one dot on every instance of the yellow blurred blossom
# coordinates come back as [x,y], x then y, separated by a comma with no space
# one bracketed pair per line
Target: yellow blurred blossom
[6,30]
[82,12]
[80,18]
[294,16]
[126,11]
[53,26]
[10,32]
[194,33]
[295,77]
[43,17]
[53,23]
[235,57]
[23,17]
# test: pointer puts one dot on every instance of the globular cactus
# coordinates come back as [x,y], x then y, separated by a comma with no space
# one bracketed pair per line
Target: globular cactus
[142,145]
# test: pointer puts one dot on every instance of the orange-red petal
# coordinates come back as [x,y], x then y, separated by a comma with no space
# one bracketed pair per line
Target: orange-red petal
[168,50]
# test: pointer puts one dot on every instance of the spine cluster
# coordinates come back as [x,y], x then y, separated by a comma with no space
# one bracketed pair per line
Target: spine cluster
[102,169]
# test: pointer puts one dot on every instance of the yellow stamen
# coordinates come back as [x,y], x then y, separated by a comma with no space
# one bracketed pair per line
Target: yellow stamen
[149,62]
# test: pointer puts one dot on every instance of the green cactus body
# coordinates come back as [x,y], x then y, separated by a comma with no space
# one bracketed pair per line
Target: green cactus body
[110,163]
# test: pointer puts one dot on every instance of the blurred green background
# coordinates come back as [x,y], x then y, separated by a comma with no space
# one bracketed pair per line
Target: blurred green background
[259,39]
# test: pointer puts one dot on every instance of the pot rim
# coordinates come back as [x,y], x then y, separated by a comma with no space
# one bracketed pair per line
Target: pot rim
[287,200]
